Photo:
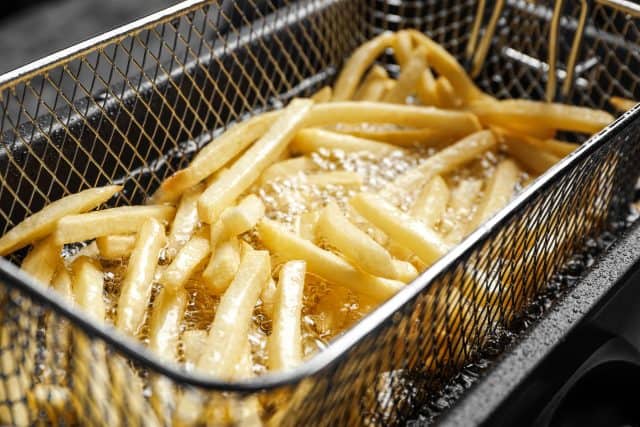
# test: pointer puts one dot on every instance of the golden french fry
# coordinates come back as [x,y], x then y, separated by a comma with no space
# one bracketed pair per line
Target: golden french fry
[402,46]
[268,297]
[403,137]
[446,95]
[622,104]
[373,86]
[116,247]
[285,342]
[529,154]
[164,333]
[42,261]
[446,65]
[401,115]
[311,140]
[501,188]
[410,75]
[355,67]
[405,271]
[215,155]
[307,225]
[541,114]
[229,330]
[248,168]
[323,263]
[400,227]
[287,168]
[122,220]
[240,218]
[191,256]
[62,283]
[448,159]
[194,343]
[222,266]
[58,339]
[88,286]
[185,221]
[431,203]
[138,280]
[323,95]
[462,204]
[558,148]
[343,178]
[354,244]
[44,222]
[426,89]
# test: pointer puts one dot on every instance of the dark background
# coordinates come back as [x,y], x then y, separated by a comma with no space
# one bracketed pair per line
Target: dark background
[31,29]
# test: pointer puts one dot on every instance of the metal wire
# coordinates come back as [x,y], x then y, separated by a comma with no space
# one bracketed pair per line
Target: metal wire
[134,105]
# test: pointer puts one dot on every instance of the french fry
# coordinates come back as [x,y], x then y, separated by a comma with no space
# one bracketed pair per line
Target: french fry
[462,203]
[287,168]
[409,77]
[194,343]
[541,114]
[58,339]
[311,140]
[431,202]
[426,89]
[499,192]
[44,222]
[215,155]
[285,342]
[128,392]
[448,159]
[404,137]
[138,279]
[343,178]
[188,259]
[14,387]
[529,154]
[373,86]
[122,220]
[164,333]
[446,65]
[307,225]
[405,271]
[355,67]
[354,244]
[237,219]
[229,330]
[268,297]
[323,95]
[245,411]
[323,263]
[90,373]
[222,266]
[185,221]
[558,148]
[402,46]
[401,115]
[41,263]
[446,95]
[622,104]
[400,227]
[244,172]
[116,246]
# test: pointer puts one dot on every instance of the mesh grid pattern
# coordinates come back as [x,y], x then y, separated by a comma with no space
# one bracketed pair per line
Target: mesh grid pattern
[135,108]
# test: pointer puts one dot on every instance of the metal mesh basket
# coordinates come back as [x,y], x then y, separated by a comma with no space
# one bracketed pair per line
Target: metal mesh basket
[135,104]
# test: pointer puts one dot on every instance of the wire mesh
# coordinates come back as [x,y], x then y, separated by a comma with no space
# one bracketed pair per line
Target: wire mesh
[135,105]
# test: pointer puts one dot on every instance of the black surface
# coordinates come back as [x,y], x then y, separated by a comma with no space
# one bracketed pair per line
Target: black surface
[567,372]
[32,29]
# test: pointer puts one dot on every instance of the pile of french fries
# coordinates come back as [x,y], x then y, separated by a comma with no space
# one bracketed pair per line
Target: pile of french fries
[306,217]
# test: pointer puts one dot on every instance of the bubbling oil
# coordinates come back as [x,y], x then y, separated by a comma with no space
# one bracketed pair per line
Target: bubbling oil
[328,310]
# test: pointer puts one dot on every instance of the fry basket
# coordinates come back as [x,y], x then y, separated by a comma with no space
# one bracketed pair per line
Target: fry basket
[135,104]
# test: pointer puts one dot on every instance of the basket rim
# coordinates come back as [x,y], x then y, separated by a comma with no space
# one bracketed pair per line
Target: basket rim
[340,346]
